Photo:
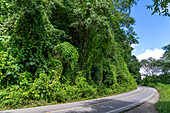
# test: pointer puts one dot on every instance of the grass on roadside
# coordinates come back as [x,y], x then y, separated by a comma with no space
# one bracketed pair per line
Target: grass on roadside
[163,105]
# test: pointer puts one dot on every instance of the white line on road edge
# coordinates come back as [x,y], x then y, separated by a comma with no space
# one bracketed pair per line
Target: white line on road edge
[132,105]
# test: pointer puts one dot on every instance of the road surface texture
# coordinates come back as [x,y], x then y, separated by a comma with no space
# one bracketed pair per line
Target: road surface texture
[147,107]
[111,104]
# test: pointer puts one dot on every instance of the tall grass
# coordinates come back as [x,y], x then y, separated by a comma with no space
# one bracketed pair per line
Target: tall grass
[163,105]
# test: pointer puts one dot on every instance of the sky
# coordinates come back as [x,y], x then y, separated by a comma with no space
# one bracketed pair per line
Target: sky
[153,31]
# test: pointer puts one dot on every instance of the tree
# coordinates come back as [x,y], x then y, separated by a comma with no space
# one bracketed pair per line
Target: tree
[159,67]
[166,59]
[161,7]
[60,47]
[134,67]
[165,65]
[151,67]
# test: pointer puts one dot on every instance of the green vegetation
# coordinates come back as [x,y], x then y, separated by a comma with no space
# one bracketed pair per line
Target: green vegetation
[157,70]
[54,51]
[161,82]
[160,7]
[163,105]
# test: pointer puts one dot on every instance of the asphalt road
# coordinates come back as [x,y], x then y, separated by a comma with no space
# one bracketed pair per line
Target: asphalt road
[111,104]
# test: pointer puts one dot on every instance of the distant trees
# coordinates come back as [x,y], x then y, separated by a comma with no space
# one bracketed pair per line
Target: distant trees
[157,70]
[166,59]
[151,66]
[165,65]
[134,67]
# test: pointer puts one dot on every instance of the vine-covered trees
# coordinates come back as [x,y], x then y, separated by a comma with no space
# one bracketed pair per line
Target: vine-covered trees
[134,67]
[64,50]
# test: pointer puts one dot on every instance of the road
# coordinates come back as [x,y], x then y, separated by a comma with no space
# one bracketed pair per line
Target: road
[111,104]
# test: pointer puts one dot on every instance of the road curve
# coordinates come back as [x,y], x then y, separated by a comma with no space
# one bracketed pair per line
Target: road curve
[111,104]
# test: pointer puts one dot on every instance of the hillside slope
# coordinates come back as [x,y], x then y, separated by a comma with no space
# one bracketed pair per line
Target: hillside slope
[64,50]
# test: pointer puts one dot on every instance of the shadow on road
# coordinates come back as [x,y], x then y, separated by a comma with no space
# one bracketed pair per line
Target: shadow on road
[99,106]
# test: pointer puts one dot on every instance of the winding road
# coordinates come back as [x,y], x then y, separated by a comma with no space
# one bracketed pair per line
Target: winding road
[111,104]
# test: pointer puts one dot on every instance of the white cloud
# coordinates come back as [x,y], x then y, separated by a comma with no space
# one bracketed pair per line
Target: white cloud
[133,45]
[156,53]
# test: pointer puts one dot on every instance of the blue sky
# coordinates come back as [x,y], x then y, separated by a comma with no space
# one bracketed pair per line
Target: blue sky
[153,30]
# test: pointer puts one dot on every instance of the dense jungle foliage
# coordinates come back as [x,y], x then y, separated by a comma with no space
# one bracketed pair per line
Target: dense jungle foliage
[65,50]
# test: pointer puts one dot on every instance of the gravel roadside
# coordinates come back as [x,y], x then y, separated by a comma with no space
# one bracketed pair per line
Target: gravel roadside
[147,107]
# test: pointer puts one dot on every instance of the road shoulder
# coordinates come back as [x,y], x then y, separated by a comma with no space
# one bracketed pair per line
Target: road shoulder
[147,107]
